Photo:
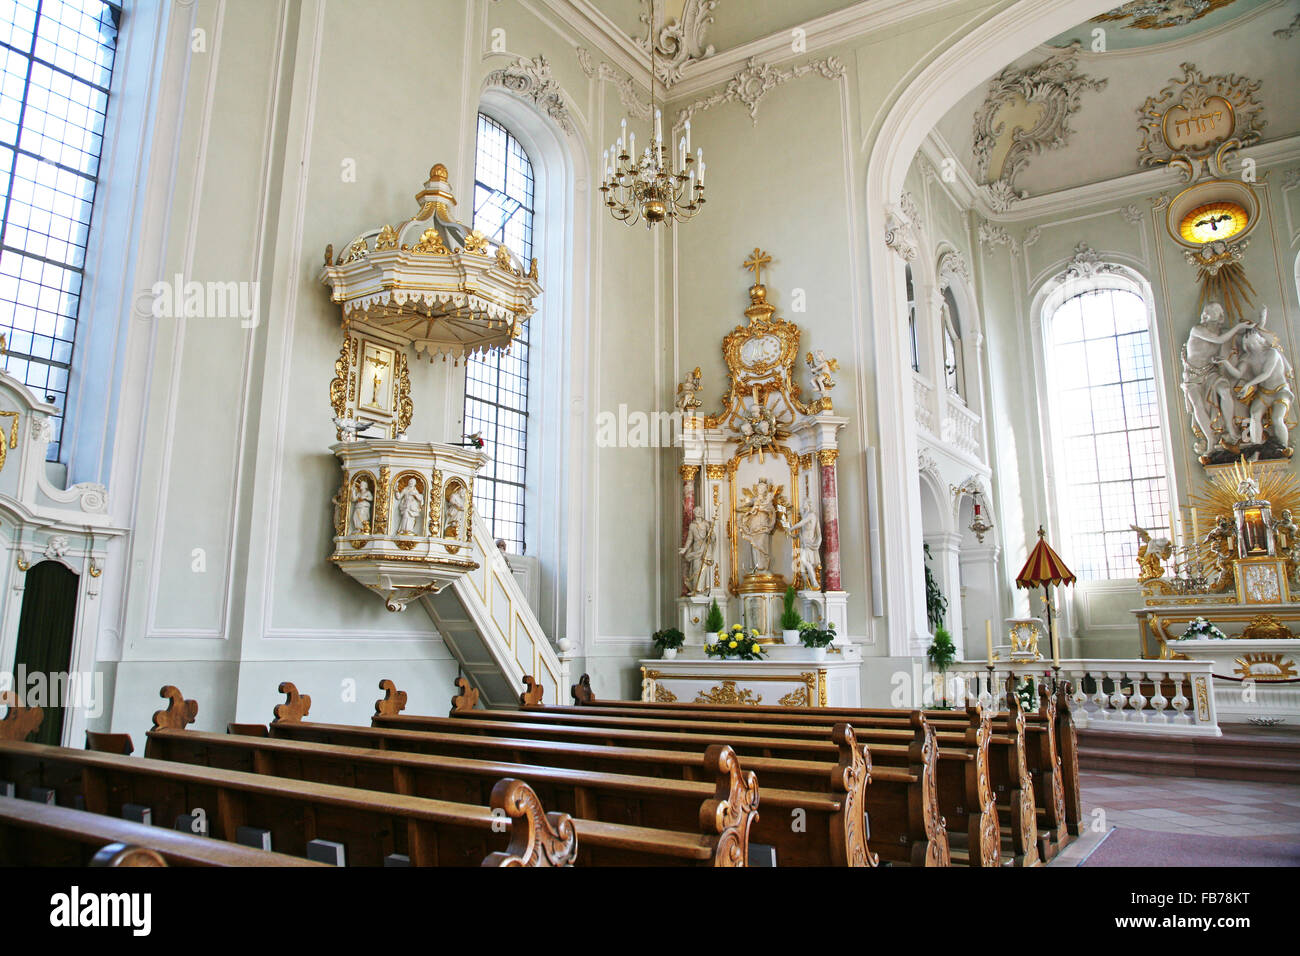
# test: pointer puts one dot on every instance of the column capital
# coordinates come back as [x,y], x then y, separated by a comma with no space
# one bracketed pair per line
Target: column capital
[688,472]
[827,456]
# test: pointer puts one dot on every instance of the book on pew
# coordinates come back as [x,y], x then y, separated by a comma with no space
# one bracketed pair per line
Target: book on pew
[260,839]
[397,859]
[137,813]
[41,795]
[326,851]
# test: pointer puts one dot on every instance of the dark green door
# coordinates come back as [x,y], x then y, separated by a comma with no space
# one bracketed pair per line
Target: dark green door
[45,637]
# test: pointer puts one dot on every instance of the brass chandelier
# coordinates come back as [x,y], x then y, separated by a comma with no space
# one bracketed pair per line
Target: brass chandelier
[653,186]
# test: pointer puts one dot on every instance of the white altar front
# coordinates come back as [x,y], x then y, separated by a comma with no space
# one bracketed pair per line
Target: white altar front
[789,677]
[1252,678]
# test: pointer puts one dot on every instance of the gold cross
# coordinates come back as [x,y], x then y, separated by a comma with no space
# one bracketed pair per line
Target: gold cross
[755,264]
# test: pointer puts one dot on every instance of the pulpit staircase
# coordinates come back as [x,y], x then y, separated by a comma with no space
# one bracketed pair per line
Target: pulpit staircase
[488,626]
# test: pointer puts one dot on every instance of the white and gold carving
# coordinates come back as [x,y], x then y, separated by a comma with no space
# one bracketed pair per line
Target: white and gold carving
[755,80]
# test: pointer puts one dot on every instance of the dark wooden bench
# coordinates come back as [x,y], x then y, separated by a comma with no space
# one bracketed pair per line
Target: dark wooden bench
[1024,773]
[905,824]
[39,834]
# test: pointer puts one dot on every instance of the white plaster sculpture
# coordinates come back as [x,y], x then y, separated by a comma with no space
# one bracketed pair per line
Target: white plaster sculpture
[688,398]
[1262,384]
[694,552]
[350,428]
[808,533]
[758,519]
[1207,389]
[362,498]
[455,509]
[410,503]
[821,368]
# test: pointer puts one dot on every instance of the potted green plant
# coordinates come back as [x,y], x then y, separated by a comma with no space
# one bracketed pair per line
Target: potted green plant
[942,652]
[1201,629]
[668,640]
[736,643]
[790,619]
[714,621]
[817,639]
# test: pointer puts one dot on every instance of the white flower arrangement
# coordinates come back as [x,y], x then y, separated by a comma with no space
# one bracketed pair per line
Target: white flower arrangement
[1201,628]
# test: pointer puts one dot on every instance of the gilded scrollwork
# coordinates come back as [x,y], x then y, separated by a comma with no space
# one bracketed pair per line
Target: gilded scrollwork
[728,693]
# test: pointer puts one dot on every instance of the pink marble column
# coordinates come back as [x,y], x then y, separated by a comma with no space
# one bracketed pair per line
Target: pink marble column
[830,521]
[688,473]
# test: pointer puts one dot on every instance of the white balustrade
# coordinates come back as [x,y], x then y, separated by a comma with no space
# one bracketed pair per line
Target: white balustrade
[1124,695]
[923,396]
[961,427]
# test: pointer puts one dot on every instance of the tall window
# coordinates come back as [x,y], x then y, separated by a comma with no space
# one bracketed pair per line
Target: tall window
[953,373]
[496,387]
[56,60]
[911,322]
[1106,423]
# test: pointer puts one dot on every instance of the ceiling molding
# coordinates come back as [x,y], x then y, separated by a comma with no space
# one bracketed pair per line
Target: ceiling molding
[1129,187]
[830,30]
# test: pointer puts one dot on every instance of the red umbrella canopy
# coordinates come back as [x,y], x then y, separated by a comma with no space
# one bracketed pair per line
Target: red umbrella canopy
[1044,566]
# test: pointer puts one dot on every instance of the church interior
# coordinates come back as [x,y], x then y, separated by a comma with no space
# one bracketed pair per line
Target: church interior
[422,445]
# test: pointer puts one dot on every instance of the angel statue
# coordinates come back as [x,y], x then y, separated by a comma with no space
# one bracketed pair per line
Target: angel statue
[808,533]
[1286,530]
[1151,553]
[688,393]
[821,367]
[1220,544]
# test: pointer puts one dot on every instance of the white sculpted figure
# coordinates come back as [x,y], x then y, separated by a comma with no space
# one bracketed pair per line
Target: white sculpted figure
[694,552]
[821,367]
[758,519]
[808,533]
[1262,384]
[1207,390]
[361,501]
[688,397]
[410,502]
[455,510]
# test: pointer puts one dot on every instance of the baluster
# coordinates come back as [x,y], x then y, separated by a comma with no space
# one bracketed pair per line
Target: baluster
[1137,700]
[1117,698]
[1099,695]
[1158,700]
[1180,701]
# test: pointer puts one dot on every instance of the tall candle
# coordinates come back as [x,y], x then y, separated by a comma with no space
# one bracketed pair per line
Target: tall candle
[1056,645]
[988,640]
[659,127]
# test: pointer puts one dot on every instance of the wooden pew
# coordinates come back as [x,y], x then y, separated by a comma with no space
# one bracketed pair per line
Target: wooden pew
[965,795]
[833,835]
[723,808]
[902,800]
[1041,778]
[370,825]
[1057,800]
[38,834]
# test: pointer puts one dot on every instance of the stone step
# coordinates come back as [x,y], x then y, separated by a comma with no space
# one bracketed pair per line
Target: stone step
[1240,754]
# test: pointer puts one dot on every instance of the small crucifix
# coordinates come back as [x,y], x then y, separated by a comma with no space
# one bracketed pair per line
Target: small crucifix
[755,263]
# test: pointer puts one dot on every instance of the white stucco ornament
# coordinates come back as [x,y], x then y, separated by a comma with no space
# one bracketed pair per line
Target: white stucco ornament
[56,547]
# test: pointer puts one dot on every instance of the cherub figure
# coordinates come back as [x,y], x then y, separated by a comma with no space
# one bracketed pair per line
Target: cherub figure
[821,367]
[688,397]
[1151,553]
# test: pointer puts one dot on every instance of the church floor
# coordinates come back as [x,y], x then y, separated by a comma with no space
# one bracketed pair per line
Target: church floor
[1185,821]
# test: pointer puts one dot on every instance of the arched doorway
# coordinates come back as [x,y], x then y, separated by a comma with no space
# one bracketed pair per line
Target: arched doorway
[45,630]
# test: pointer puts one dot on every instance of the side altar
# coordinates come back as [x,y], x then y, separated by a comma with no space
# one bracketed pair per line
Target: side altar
[760,514]
[760,505]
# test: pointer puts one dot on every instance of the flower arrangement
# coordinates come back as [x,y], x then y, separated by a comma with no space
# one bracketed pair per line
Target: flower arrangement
[1201,628]
[669,637]
[810,635]
[736,643]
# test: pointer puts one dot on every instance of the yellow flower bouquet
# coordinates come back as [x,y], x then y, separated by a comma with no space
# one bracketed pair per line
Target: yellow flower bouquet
[736,643]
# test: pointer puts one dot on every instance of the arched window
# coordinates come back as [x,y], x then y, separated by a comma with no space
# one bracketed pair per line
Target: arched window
[496,386]
[954,375]
[1110,459]
[911,322]
[56,59]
